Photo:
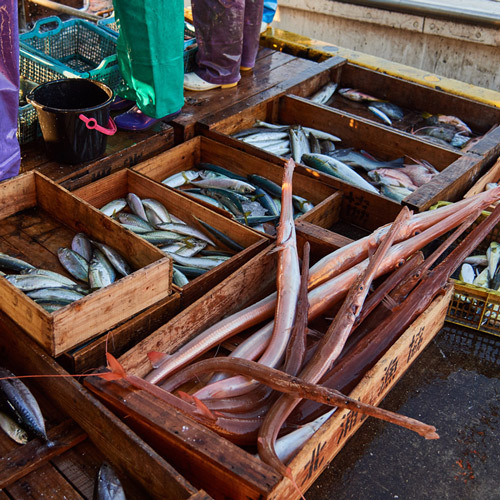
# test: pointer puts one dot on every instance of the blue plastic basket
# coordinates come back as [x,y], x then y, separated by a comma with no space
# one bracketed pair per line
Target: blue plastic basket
[78,47]
[35,68]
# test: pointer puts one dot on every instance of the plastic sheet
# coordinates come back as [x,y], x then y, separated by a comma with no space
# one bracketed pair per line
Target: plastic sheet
[227,32]
[150,51]
[10,154]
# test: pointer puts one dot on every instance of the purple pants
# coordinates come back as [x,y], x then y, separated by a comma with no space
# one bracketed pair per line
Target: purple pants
[227,32]
[10,155]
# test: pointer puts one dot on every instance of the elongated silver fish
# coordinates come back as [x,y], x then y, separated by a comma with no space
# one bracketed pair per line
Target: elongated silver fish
[13,264]
[162,237]
[323,95]
[239,186]
[28,282]
[338,169]
[320,134]
[187,231]
[380,114]
[135,223]
[201,262]
[101,272]
[180,178]
[158,208]
[81,245]
[467,274]
[23,403]
[56,294]
[397,193]
[135,204]
[13,429]
[56,276]
[74,263]
[108,486]
[114,257]
[477,260]
[191,248]
[179,278]
[113,207]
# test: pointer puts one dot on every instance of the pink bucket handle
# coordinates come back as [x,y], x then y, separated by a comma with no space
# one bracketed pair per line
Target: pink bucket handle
[91,124]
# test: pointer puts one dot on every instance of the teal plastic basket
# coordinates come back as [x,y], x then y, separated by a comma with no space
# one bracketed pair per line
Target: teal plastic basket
[77,47]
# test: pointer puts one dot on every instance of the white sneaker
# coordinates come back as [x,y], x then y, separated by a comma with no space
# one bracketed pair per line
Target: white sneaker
[193,82]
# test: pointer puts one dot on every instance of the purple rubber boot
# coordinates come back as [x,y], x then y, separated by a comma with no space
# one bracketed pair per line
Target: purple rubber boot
[226,30]
[135,119]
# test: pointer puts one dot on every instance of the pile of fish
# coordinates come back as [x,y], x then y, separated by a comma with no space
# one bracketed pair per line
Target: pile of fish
[284,377]
[95,264]
[185,244]
[20,415]
[317,150]
[253,200]
[441,129]
[483,270]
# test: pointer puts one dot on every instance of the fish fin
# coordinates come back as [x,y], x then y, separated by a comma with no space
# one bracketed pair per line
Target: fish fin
[389,302]
[117,370]
[157,358]
[200,406]
[426,115]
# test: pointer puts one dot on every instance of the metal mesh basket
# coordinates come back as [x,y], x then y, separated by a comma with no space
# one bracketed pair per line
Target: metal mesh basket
[76,46]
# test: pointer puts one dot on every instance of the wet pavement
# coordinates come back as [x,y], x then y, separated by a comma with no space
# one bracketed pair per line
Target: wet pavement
[453,385]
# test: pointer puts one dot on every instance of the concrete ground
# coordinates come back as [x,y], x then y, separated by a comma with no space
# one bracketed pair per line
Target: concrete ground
[454,385]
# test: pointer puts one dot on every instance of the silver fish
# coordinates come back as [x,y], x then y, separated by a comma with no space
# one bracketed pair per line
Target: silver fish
[162,237]
[113,207]
[265,137]
[200,262]
[260,123]
[28,282]
[187,231]
[179,278]
[380,114]
[13,264]
[338,169]
[74,263]
[191,248]
[81,245]
[467,274]
[23,403]
[158,208]
[319,134]
[181,178]
[324,94]
[477,260]
[13,429]
[101,272]
[58,277]
[56,294]
[108,486]
[396,193]
[135,204]
[239,186]
[116,260]
[135,223]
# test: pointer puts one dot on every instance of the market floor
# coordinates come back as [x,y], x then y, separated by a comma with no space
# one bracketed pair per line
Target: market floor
[455,386]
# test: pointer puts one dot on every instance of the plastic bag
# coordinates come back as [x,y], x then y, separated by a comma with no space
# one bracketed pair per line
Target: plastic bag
[10,153]
[150,52]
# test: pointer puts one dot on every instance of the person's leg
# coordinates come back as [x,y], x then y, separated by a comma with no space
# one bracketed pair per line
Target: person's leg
[151,55]
[10,154]
[219,34]
[251,32]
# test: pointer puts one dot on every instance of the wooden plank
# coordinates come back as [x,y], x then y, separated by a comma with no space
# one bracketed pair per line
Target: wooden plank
[121,447]
[122,337]
[44,482]
[266,75]
[199,454]
[492,175]
[29,457]
[326,212]
[17,194]
[319,235]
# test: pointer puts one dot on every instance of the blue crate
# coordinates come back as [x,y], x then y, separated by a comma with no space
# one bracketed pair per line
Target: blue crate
[77,47]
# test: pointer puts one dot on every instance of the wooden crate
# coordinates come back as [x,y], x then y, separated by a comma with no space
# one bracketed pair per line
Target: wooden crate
[119,184]
[83,434]
[120,338]
[37,217]
[353,204]
[457,170]
[212,462]
[483,119]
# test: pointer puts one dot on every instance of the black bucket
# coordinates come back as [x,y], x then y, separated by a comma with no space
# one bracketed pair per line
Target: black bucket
[74,118]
